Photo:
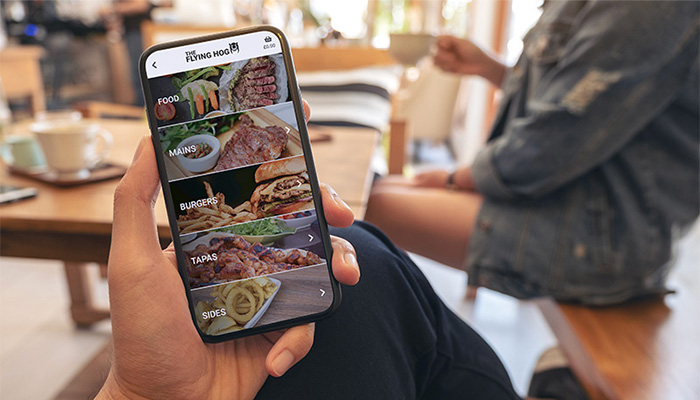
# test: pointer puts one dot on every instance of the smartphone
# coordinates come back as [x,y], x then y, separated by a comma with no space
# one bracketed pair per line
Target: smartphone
[239,182]
[9,193]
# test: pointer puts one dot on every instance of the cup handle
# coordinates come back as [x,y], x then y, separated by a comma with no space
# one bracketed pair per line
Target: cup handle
[108,140]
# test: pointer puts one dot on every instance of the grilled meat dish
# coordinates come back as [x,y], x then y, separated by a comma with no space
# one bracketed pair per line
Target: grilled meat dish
[252,144]
[238,259]
[254,86]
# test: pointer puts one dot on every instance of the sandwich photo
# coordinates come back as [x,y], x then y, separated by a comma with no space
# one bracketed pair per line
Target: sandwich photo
[283,187]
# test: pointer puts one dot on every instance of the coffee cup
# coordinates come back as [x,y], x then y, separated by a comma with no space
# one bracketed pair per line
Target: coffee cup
[23,152]
[71,147]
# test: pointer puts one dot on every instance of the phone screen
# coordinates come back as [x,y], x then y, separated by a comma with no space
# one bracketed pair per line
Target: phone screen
[239,182]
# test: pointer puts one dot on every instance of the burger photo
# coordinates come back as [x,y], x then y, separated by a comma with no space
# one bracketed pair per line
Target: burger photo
[283,187]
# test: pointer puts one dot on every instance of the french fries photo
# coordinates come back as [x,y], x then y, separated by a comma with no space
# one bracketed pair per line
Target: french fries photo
[233,305]
[214,215]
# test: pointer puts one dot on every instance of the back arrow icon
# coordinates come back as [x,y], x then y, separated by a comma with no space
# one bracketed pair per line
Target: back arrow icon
[322,292]
[154,64]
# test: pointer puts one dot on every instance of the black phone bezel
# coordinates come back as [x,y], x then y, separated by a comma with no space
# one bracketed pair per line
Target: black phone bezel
[295,95]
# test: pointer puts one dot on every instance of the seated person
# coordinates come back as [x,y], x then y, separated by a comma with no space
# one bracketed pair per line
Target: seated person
[591,168]
[391,338]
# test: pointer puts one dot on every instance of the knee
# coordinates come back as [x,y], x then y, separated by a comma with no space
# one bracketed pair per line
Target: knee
[365,237]
[372,246]
[378,205]
[384,269]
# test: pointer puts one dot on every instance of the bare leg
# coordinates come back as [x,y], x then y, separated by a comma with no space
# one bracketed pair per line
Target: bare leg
[435,223]
[393,181]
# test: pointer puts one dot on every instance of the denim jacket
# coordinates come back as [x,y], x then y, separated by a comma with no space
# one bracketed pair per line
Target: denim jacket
[591,168]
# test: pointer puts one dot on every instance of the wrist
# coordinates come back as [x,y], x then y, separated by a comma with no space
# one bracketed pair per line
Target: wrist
[460,179]
[492,70]
[450,182]
[112,391]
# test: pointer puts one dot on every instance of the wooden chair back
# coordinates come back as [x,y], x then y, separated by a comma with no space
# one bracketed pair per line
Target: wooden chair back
[343,58]
[308,59]
[100,109]
[305,60]
[154,33]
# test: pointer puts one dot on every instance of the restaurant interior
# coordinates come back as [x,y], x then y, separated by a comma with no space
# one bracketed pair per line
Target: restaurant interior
[78,61]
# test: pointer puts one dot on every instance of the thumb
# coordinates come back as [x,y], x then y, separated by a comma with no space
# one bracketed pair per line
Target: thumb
[291,347]
[134,229]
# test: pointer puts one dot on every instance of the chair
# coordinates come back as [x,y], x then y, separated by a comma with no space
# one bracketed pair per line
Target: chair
[100,109]
[309,60]
[20,74]
[344,60]
[154,33]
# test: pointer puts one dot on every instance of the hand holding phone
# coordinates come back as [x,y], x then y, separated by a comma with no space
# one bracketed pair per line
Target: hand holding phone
[239,183]
[157,350]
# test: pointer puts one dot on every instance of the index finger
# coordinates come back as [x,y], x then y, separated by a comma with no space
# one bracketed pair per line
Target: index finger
[337,212]
[444,42]
[134,227]
[307,110]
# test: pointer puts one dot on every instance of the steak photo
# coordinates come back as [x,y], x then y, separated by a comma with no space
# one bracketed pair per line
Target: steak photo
[254,85]
[252,144]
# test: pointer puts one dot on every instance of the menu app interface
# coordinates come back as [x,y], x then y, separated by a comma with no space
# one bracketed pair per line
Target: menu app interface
[239,183]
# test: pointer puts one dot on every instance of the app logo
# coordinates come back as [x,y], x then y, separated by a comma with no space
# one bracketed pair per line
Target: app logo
[193,55]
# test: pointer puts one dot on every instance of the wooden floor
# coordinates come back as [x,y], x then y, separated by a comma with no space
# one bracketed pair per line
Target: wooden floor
[39,344]
[40,350]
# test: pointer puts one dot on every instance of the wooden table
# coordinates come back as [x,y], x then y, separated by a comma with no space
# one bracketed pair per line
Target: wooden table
[74,224]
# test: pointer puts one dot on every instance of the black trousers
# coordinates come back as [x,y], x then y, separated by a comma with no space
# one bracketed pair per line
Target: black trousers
[392,338]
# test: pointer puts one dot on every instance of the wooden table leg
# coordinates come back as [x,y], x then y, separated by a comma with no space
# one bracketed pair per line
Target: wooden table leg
[82,309]
[471,292]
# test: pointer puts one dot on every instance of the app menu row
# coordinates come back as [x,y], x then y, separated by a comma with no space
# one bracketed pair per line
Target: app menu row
[218,90]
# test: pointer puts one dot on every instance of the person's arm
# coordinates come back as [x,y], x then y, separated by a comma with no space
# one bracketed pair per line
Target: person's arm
[623,64]
[462,56]
[459,179]
[131,7]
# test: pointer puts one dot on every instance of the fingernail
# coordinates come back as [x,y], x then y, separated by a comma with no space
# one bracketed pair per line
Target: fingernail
[350,259]
[139,149]
[283,362]
[340,202]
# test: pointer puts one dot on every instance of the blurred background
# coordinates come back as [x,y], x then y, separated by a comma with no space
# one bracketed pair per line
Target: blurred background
[78,59]
[87,51]
[66,56]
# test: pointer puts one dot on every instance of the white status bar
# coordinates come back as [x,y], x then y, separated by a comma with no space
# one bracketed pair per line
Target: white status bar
[213,52]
